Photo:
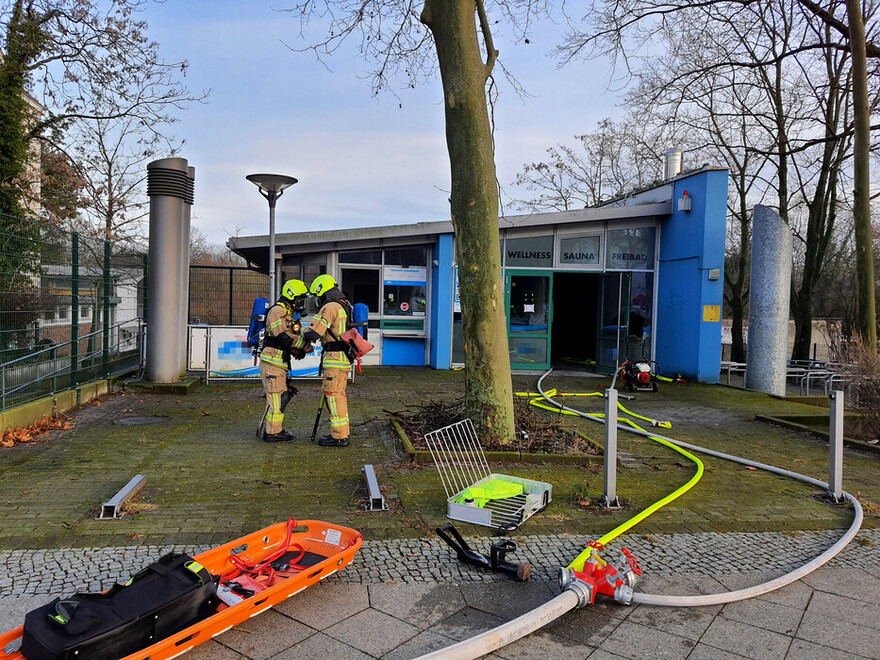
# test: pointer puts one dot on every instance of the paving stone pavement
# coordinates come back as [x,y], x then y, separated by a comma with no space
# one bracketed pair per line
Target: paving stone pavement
[405,598]
[402,598]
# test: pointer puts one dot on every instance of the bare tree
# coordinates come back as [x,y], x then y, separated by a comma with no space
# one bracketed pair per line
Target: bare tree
[782,76]
[108,93]
[617,158]
[862,190]
[202,252]
[396,38]
[111,157]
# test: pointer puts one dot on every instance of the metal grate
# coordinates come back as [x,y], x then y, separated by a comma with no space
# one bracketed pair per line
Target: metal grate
[508,513]
[459,456]
[462,464]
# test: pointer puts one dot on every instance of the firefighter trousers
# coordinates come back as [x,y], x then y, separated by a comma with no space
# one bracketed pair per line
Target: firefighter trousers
[274,380]
[335,382]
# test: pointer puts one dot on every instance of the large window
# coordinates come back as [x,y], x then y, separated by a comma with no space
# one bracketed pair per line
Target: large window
[362,257]
[579,251]
[361,285]
[531,252]
[404,291]
[630,249]
[410,256]
[392,283]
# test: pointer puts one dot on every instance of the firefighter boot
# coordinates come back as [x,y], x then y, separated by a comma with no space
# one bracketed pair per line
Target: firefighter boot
[330,441]
[281,436]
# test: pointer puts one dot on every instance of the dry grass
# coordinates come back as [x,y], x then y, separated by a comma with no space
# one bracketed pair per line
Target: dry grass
[867,384]
[536,432]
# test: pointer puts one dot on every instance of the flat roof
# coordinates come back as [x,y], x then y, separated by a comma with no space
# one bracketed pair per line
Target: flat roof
[652,201]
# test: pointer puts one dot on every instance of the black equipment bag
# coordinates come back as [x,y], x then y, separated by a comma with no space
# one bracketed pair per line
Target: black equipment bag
[162,599]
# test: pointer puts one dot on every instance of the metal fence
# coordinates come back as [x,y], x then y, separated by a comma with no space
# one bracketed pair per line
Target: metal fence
[224,295]
[72,308]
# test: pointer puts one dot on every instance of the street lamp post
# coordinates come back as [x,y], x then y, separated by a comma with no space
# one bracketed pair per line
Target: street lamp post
[271,187]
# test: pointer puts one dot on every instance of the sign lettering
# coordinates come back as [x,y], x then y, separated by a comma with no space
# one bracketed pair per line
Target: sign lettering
[520,254]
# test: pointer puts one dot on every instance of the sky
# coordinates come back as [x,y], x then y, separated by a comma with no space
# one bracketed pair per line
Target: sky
[360,160]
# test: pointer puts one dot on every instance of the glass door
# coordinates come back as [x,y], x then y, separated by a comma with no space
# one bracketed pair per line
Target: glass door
[613,317]
[527,295]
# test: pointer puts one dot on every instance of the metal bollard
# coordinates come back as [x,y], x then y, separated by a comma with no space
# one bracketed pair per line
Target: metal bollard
[609,495]
[835,447]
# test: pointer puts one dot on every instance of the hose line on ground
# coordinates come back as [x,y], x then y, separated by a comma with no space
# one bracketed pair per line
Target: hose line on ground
[578,563]
[527,623]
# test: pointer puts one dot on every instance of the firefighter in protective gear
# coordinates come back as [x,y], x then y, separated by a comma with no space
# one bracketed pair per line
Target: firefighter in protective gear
[328,325]
[282,331]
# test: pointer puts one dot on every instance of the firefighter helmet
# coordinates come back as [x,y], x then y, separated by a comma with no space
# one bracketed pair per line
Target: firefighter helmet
[292,289]
[322,284]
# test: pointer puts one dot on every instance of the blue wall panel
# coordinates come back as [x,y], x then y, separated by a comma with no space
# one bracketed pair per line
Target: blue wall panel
[691,246]
[440,330]
[403,352]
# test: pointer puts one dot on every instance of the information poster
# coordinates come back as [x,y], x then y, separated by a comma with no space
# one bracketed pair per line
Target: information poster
[230,356]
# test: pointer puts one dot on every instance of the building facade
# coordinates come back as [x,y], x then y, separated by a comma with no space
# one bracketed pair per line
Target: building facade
[638,278]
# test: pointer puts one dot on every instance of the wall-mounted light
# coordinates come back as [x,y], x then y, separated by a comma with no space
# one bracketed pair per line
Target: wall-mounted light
[714,274]
[684,202]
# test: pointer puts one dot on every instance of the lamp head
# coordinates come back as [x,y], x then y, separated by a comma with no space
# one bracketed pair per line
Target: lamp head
[271,184]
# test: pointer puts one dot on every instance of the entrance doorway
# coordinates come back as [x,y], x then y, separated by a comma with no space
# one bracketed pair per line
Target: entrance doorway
[575,318]
[592,319]
[528,295]
[581,320]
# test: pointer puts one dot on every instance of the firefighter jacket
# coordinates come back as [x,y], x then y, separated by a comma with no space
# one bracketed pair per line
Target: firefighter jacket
[281,334]
[329,324]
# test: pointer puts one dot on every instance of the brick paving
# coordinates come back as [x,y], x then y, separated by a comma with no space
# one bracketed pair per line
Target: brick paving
[405,593]
[420,561]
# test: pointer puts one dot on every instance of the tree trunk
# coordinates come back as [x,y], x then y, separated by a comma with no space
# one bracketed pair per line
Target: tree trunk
[802,312]
[474,210]
[737,317]
[738,280]
[862,182]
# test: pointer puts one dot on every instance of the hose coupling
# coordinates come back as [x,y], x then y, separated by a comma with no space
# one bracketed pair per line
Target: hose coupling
[624,594]
[568,581]
[629,579]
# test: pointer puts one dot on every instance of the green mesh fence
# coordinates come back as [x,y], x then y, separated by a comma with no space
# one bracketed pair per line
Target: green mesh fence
[71,308]
[224,295]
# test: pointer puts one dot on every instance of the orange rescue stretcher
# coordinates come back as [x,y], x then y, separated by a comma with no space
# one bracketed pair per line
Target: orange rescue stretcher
[316,550]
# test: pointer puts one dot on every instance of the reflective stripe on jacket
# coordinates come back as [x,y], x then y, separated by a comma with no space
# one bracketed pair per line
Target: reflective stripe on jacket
[332,316]
[279,320]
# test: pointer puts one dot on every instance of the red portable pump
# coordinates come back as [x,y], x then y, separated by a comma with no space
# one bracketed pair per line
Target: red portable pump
[638,375]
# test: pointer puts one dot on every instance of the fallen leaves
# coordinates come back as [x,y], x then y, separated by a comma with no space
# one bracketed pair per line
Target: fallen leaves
[30,433]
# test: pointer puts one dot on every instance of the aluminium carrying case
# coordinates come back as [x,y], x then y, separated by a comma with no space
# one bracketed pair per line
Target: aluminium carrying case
[162,599]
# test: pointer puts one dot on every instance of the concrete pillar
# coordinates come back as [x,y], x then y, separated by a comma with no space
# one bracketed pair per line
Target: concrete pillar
[167,188]
[769,293]
[184,265]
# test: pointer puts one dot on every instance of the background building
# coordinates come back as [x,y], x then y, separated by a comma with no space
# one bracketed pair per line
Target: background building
[639,277]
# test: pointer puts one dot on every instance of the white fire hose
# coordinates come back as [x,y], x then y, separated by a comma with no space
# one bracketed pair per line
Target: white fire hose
[577,594]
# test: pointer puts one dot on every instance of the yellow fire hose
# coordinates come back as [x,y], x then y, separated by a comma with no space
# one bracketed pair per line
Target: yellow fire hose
[578,563]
